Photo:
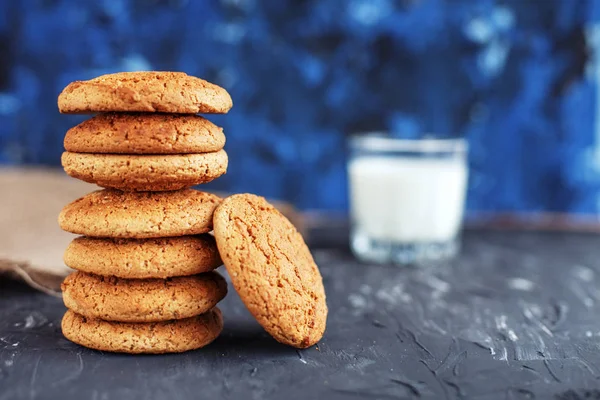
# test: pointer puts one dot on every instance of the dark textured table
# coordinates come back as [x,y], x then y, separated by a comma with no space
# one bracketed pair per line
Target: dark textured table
[517,316]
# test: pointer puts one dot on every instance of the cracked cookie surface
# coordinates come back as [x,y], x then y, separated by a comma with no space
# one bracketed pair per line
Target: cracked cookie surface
[155,337]
[142,300]
[143,258]
[139,215]
[272,269]
[147,91]
[132,172]
[145,133]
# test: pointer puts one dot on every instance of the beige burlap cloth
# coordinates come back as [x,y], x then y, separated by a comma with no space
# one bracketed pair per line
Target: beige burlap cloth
[31,243]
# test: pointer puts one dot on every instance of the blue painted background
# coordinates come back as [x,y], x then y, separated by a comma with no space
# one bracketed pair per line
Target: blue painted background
[519,79]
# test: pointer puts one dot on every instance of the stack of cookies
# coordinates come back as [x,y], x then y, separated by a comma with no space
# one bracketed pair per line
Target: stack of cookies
[144,280]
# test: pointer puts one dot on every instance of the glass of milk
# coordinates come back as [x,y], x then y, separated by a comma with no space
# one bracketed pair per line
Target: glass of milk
[406,198]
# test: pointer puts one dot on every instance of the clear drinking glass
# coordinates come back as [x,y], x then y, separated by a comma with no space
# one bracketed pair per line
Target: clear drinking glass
[406,198]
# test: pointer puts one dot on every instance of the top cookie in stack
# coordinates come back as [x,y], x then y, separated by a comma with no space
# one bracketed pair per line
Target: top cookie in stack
[131,147]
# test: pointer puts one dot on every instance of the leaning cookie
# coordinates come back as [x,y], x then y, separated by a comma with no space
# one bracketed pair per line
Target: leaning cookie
[144,173]
[134,338]
[139,215]
[143,258]
[142,300]
[148,91]
[272,269]
[145,133]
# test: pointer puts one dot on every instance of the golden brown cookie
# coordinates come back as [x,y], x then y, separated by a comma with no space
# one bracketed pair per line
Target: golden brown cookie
[155,337]
[272,269]
[140,215]
[142,300]
[143,258]
[145,172]
[147,91]
[143,133]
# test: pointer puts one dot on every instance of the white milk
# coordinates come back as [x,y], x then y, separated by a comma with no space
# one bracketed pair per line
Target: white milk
[407,200]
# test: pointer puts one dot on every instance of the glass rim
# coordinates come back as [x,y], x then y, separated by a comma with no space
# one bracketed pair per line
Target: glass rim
[379,141]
